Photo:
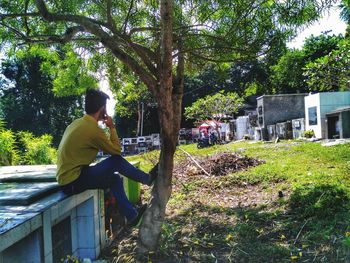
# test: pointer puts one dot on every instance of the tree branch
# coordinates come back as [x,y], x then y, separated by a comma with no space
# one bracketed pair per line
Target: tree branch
[142,29]
[68,35]
[130,62]
[25,17]
[17,32]
[93,26]
[127,16]
[110,20]
[146,57]
[88,23]
[14,15]
[178,88]
[53,41]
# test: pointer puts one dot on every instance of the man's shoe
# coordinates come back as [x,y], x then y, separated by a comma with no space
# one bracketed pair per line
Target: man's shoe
[153,173]
[136,222]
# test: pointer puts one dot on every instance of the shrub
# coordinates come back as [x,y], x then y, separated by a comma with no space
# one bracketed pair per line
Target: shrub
[8,151]
[246,137]
[309,134]
[37,150]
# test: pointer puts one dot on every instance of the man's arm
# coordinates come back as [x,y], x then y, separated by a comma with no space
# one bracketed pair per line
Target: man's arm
[111,145]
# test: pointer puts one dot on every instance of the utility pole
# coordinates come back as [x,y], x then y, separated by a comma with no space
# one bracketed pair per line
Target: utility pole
[142,112]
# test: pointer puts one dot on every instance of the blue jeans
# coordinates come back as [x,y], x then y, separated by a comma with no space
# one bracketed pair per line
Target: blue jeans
[104,175]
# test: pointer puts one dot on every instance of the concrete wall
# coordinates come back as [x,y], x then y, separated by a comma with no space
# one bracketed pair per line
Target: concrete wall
[32,241]
[325,103]
[242,127]
[280,108]
[27,250]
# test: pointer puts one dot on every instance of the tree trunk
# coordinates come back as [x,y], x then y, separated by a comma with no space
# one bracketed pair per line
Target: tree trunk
[154,216]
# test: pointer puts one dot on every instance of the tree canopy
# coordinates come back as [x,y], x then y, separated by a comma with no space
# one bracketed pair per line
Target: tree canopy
[214,107]
[289,73]
[332,71]
[130,30]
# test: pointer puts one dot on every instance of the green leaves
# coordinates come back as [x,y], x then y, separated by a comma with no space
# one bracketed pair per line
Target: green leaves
[70,72]
[313,67]
[38,150]
[129,97]
[331,72]
[72,76]
[214,106]
[8,151]
[27,96]
[287,74]
[217,31]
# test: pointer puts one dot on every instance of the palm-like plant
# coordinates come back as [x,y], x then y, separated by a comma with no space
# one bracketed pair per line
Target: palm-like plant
[345,11]
[8,151]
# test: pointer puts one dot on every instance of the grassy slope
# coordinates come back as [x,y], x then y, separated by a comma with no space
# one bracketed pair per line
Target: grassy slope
[240,218]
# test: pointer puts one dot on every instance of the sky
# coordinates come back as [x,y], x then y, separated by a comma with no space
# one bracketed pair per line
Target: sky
[104,86]
[329,21]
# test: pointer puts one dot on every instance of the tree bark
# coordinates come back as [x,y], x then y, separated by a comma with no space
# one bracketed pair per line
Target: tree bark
[154,217]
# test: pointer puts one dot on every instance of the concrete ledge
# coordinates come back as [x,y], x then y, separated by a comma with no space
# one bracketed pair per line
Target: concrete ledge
[86,222]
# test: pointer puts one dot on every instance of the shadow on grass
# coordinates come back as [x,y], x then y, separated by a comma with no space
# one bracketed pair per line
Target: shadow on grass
[309,227]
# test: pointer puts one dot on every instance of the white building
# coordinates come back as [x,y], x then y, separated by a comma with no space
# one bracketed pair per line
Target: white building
[318,105]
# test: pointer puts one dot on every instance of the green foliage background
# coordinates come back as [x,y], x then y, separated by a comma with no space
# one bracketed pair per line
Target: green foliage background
[25,148]
[29,98]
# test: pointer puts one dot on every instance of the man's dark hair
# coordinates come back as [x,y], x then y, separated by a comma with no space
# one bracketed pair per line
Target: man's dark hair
[94,100]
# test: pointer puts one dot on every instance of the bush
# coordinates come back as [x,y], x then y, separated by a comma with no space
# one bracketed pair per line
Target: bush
[309,134]
[37,150]
[246,137]
[8,151]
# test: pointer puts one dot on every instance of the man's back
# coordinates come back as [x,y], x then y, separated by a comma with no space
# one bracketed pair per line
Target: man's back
[77,148]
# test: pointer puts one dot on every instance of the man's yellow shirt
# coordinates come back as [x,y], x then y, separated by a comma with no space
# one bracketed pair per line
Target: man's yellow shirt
[79,146]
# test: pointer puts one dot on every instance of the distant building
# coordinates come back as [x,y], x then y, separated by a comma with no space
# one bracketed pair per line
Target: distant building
[273,109]
[328,114]
[141,144]
[338,123]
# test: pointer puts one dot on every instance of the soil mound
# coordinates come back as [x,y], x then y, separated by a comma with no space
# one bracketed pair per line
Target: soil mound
[221,164]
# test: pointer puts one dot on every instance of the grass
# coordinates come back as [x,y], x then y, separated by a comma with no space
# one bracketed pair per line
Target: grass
[241,218]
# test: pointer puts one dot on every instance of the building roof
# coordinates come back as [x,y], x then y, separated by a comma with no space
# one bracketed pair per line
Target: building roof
[283,95]
[339,110]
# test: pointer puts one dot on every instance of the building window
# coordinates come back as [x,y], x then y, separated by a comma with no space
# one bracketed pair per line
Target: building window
[261,120]
[260,110]
[312,116]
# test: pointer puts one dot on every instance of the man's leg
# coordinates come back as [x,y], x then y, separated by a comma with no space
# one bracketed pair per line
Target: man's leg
[103,175]
[100,177]
[117,163]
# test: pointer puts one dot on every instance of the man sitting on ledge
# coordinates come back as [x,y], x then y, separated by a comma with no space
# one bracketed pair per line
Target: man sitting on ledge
[78,148]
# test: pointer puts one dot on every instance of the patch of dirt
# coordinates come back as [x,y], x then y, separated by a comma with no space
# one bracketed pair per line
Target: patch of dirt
[217,165]
[216,190]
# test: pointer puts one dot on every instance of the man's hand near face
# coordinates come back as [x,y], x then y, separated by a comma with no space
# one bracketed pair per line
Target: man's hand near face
[109,122]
